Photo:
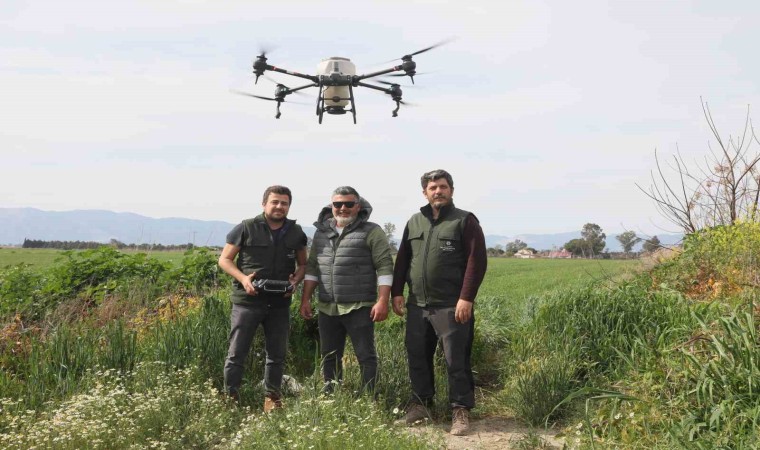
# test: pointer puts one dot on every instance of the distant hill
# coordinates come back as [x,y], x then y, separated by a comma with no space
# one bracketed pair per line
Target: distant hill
[16,224]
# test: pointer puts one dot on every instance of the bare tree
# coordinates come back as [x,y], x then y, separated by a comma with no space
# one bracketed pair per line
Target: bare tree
[720,192]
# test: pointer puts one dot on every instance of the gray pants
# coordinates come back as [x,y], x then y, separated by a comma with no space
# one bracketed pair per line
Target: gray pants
[424,328]
[244,321]
[332,339]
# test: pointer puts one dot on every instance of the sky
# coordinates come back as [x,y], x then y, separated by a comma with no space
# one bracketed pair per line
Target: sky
[547,114]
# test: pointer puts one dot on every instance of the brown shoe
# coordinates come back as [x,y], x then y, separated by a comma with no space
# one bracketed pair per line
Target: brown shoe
[460,421]
[272,403]
[231,397]
[415,414]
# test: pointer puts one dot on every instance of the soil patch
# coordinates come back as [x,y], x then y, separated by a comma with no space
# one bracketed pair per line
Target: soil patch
[488,433]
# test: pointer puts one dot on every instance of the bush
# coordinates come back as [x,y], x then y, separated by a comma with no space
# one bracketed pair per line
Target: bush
[98,272]
[20,290]
[198,271]
[716,262]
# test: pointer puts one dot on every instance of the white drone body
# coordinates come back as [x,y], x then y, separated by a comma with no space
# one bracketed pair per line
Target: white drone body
[342,66]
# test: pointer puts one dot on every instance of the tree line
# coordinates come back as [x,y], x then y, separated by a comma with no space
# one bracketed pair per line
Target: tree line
[115,243]
[591,244]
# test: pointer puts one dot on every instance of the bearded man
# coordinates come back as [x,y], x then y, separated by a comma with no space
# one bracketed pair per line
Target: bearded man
[269,246]
[350,260]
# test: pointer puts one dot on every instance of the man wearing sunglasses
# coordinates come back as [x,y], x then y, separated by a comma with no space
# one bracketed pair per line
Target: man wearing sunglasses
[269,246]
[443,260]
[350,260]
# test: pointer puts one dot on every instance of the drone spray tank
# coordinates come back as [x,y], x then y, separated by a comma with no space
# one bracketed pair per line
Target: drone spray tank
[335,74]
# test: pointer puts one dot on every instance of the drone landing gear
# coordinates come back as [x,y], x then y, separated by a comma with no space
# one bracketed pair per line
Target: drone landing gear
[394,113]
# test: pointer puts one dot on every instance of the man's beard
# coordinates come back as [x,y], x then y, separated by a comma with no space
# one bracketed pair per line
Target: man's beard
[344,221]
[275,219]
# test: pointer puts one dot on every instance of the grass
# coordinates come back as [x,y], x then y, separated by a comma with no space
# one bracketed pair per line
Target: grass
[96,371]
[522,278]
[42,258]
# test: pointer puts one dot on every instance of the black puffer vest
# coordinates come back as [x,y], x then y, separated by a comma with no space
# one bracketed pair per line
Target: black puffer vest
[347,272]
[262,255]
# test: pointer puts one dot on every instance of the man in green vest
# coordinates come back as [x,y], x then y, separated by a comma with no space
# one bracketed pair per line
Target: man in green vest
[268,247]
[442,259]
[350,260]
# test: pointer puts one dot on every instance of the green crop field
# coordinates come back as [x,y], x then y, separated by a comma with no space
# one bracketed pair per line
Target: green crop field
[46,257]
[517,279]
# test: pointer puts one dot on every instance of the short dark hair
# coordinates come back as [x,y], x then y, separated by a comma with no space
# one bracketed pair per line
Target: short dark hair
[277,189]
[433,175]
[346,190]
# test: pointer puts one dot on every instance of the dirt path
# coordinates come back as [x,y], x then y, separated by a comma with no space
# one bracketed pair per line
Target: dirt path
[489,433]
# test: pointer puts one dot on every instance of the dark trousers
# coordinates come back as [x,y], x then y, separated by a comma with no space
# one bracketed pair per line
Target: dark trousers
[244,321]
[332,339]
[424,328]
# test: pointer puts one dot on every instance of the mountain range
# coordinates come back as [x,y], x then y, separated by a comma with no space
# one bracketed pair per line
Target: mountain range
[17,224]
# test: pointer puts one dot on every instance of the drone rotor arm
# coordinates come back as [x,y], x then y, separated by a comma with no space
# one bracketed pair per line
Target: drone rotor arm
[306,86]
[311,78]
[358,78]
[372,86]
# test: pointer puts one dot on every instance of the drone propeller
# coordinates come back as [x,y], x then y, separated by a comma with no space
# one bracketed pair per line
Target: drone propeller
[264,49]
[409,56]
[438,44]
[405,75]
[260,64]
[282,86]
[390,83]
[281,100]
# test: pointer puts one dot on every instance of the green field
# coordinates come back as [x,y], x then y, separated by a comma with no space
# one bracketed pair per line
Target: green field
[517,279]
[46,257]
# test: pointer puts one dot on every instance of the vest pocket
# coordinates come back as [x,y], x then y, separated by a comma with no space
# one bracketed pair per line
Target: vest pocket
[449,243]
[415,240]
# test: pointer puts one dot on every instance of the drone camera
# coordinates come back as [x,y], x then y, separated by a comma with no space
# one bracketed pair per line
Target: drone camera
[335,110]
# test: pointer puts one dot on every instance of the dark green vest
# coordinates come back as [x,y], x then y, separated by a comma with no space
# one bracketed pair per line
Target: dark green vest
[270,260]
[437,265]
[346,268]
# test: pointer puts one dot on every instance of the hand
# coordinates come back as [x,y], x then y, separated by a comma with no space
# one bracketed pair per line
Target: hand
[293,282]
[379,312]
[306,311]
[398,305]
[248,284]
[463,312]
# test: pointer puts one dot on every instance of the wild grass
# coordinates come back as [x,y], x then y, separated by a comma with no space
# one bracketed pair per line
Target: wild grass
[548,335]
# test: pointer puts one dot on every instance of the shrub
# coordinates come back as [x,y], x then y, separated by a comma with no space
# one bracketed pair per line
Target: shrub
[98,272]
[20,287]
[198,271]
[716,262]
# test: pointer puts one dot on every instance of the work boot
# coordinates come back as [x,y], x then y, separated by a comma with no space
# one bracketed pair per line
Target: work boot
[272,403]
[415,413]
[232,397]
[460,422]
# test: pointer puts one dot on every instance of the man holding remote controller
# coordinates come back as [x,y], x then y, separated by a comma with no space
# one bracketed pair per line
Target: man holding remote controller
[271,261]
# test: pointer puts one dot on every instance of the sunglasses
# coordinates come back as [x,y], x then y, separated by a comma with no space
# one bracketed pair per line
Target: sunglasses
[338,205]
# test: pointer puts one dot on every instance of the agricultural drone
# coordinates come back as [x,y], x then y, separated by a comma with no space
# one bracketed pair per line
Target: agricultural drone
[336,79]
